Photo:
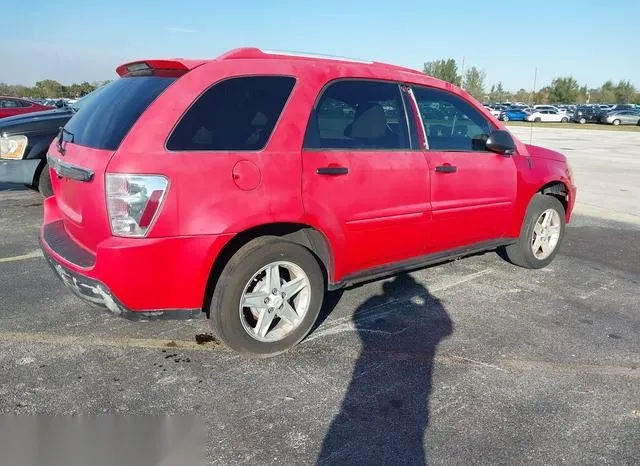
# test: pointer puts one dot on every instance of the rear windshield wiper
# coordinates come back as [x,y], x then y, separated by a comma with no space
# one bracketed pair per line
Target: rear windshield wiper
[60,140]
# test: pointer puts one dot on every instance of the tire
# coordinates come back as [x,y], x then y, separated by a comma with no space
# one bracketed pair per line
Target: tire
[521,252]
[564,120]
[44,182]
[238,327]
[505,118]
[582,121]
[537,120]
[616,122]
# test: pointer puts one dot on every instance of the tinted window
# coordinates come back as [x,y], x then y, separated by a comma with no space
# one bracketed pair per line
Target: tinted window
[107,118]
[451,123]
[355,114]
[8,103]
[236,114]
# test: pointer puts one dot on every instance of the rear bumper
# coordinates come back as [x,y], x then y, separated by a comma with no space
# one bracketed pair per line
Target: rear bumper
[19,171]
[97,294]
[133,277]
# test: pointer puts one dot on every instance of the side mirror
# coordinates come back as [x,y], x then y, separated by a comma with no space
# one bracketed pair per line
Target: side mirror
[501,142]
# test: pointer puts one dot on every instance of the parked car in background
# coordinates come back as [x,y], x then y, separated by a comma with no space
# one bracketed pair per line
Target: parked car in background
[587,114]
[182,186]
[547,116]
[494,111]
[621,117]
[513,114]
[24,140]
[10,106]
[546,107]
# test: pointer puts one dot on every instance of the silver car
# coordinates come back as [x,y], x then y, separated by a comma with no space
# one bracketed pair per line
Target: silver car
[623,117]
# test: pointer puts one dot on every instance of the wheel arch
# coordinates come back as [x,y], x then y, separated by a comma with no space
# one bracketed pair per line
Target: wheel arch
[305,235]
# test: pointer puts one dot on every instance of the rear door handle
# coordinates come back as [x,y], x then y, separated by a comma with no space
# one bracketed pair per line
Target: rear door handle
[334,171]
[446,169]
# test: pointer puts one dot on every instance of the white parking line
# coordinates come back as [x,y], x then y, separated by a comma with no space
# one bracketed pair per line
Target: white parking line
[30,255]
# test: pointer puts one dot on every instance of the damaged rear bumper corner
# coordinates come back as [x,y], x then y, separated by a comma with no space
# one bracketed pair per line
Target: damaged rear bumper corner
[98,295]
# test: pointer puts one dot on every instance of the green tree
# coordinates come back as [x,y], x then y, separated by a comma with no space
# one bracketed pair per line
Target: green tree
[564,90]
[497,93]
[624,92]
[48,88]
[447,70]
[474,83]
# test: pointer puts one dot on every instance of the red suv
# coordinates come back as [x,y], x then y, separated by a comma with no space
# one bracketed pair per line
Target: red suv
[248,185]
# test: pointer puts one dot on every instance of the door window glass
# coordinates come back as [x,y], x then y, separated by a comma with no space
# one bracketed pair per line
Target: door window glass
[451,123]
[358,115]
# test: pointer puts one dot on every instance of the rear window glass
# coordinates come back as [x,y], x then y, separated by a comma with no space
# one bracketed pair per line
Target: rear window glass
[237,114]
[106,119]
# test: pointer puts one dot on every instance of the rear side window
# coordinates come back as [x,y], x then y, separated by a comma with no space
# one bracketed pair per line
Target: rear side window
[106,119]
[237,114]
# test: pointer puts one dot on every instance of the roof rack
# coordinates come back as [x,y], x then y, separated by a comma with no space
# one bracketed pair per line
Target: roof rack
[254,52]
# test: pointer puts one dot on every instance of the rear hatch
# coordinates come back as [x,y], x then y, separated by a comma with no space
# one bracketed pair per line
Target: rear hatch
[81,153]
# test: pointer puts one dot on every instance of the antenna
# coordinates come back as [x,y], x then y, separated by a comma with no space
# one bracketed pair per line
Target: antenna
[535,78]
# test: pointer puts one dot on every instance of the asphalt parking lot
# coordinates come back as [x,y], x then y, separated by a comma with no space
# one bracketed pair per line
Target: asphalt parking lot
[470,362]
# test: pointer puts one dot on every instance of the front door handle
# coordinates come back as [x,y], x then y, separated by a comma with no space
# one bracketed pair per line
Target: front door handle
[446,169]
[332,171]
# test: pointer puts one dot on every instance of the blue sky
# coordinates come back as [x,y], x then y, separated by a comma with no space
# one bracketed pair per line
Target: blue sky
[77,40]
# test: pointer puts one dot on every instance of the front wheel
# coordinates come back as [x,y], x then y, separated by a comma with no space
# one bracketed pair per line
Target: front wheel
[538,120]
[268,297]
[541,234]
[505,118]
[616,122]
[582,121]
[565,119]
[44,182]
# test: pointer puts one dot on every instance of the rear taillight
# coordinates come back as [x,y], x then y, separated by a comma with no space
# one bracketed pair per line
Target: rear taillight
[133,202]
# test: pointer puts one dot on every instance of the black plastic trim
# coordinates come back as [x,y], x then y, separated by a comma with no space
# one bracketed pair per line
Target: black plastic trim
[376,273]
[57,238]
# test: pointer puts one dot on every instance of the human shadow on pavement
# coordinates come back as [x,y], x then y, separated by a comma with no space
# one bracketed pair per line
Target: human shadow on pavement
[385,412]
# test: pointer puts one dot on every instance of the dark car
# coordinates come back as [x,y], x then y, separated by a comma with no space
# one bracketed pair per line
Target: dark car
[24,140]
[589,114]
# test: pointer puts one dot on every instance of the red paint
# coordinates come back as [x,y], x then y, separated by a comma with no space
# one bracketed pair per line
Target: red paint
[25,106]
[387,208]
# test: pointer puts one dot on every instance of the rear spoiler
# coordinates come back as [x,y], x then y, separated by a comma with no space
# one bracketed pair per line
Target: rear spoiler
[175,67]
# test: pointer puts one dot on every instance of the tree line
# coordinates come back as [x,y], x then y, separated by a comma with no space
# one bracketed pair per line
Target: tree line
[561,90]
[50,89]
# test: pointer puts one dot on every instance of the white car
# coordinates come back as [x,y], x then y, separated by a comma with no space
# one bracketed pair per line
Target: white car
[548,116]
[493,111]
[546,107]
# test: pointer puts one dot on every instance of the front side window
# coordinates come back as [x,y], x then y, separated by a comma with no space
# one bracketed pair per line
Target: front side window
[359,115]
[450,122]
[237,114]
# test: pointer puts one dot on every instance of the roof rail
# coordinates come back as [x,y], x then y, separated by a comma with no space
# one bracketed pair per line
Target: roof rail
[254,52]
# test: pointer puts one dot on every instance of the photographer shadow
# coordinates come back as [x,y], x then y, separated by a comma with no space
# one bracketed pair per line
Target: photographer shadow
[385,413]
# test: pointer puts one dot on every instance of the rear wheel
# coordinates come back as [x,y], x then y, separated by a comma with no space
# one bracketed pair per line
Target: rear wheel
[564,119]
[616,122]
[268,297]
[541,234]
[538,120]
[582,121]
